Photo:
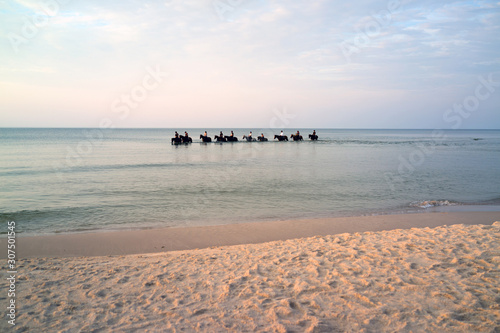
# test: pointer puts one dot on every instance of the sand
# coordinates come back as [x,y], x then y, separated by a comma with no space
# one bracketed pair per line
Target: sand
[174,239]
[439,279]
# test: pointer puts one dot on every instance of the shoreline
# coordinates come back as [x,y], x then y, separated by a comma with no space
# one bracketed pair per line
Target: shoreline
[488,206]
[144,241]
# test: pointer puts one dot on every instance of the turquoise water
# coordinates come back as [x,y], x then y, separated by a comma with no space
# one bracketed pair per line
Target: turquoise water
[71,180]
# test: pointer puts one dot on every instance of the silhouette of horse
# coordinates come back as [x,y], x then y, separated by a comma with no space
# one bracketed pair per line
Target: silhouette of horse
[205,138]
[281,137]
[313,137]
[296,137]
[248,138]
[186,139]
[262,139]
[231,138]
[176,141]
[219,138]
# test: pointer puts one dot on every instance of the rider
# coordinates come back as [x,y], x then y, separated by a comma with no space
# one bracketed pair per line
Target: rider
[221,135]
[282,134]
[176,138]
[205,134]
[232,134]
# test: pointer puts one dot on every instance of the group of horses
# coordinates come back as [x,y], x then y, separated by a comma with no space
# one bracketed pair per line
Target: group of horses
[296,137]
[225,138]
[181,139]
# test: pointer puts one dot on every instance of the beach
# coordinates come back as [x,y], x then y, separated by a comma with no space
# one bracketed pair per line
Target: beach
[250,166]
[433,272]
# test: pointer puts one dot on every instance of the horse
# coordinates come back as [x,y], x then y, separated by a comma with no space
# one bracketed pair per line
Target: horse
[219,138]
[205,138]
[296,137]
[248,138]
[177,140]
[262,139]
[313,137]
[186,139]
[281,137]
[231,138]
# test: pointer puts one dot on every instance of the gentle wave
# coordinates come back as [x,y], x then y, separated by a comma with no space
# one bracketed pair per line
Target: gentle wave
[93,168]
[62,219]
[433,203]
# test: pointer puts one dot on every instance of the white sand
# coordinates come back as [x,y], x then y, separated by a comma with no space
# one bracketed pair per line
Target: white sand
[444,279]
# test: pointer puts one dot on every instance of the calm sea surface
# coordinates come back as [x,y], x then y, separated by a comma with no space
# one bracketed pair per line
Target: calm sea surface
[71,180]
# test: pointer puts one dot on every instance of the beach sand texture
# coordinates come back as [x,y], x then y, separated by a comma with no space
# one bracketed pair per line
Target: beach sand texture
[444,279]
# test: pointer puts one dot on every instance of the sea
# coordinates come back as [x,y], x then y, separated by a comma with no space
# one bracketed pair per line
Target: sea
[93,180]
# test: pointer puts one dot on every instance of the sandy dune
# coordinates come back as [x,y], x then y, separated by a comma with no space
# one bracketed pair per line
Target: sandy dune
[444,279]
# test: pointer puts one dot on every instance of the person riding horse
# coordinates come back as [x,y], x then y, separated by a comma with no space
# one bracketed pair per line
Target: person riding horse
[313,136]
[249,137]
[176,139]
[186,138]
[205,138]
[220,138]
[262,138]
[281,137]
[231,138]
[296,137]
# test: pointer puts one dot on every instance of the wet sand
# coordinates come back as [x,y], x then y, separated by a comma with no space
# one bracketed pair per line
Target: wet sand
[175,239]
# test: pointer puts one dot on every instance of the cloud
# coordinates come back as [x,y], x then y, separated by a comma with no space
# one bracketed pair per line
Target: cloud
[31,5]
[27,69]
[258,51]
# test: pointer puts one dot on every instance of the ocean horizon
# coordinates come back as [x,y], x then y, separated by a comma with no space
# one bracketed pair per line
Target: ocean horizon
[67,180]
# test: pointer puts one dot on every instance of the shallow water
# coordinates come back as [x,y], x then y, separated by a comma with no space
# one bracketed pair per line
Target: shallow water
[70,180]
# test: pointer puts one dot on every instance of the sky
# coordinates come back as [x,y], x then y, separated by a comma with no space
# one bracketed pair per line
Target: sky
[250,63]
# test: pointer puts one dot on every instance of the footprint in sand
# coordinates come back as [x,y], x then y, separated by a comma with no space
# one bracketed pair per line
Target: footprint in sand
[102,293]
[124,280]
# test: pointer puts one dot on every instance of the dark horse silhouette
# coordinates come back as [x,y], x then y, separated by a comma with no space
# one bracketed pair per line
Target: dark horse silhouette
[248,138]
[219,138]
[231,138]
[205,138]
[281,137]
[177,140]
[181,139]
[262,139]
[313,137]
[296,137]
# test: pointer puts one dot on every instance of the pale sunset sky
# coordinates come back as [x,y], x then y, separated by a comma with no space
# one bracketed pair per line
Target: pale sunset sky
[240,63]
